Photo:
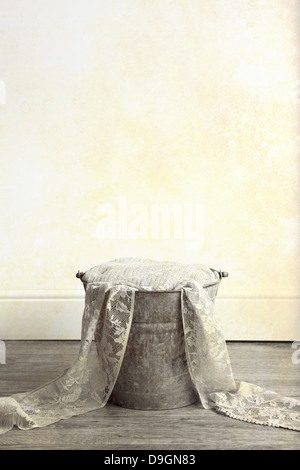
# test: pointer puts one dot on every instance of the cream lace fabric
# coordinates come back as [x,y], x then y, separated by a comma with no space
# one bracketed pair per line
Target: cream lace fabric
[109,308]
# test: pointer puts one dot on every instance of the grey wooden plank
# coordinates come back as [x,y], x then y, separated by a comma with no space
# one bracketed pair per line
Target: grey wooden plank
[32,363]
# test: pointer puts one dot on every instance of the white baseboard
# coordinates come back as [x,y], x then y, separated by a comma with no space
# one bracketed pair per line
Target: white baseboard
[255,319]
[59,317]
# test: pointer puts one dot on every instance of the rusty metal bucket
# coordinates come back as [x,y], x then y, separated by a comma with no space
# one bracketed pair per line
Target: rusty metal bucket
[154,372]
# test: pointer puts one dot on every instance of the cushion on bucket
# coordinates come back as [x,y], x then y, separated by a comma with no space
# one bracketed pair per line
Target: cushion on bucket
[149,274]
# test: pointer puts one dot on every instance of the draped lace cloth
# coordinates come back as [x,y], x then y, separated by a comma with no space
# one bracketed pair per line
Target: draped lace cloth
[109,307]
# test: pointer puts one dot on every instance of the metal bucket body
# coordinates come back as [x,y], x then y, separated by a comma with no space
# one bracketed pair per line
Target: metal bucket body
[154,372]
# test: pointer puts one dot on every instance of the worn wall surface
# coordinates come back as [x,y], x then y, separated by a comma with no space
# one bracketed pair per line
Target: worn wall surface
[114,109]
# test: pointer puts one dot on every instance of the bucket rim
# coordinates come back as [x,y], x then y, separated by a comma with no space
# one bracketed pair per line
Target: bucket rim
[219,274]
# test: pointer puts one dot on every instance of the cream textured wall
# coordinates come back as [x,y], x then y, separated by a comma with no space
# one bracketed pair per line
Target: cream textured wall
[135,102]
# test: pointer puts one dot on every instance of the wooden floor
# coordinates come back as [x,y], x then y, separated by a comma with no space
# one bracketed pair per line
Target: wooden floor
[32,363]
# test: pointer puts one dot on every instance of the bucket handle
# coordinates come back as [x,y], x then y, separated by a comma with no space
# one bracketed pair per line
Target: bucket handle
[221,274]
